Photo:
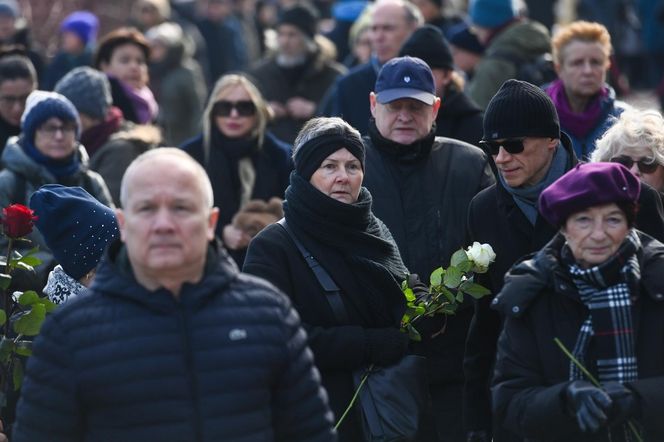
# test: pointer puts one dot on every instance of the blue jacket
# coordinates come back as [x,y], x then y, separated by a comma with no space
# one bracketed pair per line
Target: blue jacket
[228,361]
[351,95]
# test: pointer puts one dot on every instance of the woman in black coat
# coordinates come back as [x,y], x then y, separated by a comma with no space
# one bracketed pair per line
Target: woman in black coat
[597,287]
[329,212]
[243,160]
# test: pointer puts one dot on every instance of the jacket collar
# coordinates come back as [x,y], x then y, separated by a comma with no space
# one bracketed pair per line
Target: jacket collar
[527,278]
[115,278]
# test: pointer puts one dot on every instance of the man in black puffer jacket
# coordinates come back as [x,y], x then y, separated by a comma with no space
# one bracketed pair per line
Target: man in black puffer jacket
[172,343]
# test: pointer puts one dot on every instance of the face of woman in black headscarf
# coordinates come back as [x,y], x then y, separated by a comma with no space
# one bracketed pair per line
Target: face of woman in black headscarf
[595,234]
[339,176]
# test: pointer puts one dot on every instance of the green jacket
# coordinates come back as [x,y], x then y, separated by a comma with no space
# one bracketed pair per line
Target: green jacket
[525,39]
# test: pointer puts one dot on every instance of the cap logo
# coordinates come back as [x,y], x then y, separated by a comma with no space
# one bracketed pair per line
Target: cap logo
[406,79]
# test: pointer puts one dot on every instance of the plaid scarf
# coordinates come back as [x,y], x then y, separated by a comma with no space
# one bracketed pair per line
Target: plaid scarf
[606,290]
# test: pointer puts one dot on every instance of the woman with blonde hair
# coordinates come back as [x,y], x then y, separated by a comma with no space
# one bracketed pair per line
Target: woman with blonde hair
[242,158]
[636,141]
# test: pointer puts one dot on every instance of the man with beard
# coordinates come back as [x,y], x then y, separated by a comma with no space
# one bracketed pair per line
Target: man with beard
[295,80]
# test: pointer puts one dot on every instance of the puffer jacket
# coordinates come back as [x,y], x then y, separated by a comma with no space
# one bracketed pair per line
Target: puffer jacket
[540,302]
[226,361]
[524,39]
[22,176]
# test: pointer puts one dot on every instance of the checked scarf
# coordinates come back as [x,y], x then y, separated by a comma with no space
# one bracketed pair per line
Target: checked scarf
[606,290]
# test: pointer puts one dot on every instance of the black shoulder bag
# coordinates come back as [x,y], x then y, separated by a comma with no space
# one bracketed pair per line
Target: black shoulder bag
[392,399]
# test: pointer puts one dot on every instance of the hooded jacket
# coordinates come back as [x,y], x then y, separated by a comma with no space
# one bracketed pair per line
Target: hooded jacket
[525,39]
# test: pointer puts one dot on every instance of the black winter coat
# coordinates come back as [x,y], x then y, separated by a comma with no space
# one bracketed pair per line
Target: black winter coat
[495,218]
[273,165]
[338,349]
[280,85]
[541,302]
[350,95]
[459,118]
[227,361]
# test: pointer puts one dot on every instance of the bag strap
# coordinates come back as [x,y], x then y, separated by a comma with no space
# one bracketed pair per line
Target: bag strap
[332,291]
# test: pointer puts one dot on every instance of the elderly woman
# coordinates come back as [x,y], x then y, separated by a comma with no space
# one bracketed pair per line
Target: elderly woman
[637,142]
[586,105]
[329,212]
[47,152]
[598,288]
[242,158]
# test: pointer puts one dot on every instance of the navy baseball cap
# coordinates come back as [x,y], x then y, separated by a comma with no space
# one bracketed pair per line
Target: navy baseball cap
[405,77]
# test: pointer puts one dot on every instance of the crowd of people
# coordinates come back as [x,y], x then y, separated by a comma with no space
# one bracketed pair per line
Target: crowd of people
[231,200]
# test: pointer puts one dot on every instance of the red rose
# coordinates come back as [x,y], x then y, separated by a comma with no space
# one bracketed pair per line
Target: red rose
[17,220]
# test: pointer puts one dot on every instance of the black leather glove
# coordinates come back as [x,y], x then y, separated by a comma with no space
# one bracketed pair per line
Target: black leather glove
[625,403]
[589,404]
[478,436]
[385,346]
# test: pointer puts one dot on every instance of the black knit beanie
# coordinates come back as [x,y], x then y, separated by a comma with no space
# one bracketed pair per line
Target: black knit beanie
[303,17]
[520,109]
[311,154]
[429,44]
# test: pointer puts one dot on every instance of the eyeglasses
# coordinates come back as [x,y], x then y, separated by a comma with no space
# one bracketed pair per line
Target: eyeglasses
[512,146]
[223,108]
[645,165]
[52,129]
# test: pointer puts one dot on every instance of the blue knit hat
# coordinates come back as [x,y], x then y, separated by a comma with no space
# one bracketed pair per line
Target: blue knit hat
[492,13]
[40,106]
[82,23]
[76,227]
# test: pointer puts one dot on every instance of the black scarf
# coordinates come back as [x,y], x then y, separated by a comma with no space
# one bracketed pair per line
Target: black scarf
[352,230]
[222,167]
[402,153]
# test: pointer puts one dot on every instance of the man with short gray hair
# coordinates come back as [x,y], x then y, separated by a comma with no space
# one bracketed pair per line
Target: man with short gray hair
[421,186]
[172,343]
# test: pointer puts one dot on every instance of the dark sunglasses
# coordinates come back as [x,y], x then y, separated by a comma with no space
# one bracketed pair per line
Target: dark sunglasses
[512,146]
[223,108]
[645,165]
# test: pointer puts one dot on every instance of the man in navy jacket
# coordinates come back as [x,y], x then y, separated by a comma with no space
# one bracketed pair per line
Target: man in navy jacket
[172,343]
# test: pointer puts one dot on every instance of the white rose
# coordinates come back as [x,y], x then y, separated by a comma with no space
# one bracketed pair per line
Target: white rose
[481,255]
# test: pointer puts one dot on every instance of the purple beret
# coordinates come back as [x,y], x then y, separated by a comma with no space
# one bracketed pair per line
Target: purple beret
[588,185]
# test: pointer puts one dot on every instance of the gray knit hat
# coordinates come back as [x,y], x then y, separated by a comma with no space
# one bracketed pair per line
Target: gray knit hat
[88,89]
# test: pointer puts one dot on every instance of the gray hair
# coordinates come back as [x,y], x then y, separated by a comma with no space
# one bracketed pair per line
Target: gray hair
[181,155]
[412,13]
[317,127]
[636,130]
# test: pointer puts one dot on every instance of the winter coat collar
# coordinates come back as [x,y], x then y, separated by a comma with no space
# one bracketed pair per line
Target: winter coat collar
[526,280]
[15,159]
[115,278]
